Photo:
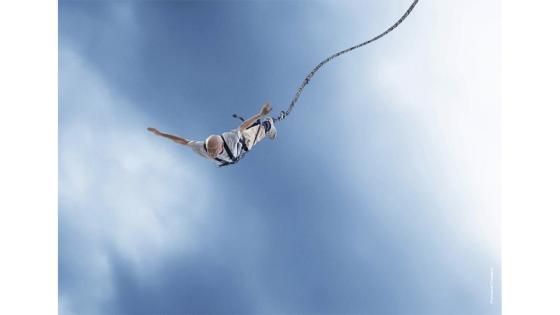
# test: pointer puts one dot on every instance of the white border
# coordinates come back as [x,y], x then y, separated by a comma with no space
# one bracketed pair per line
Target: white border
[531,157]
[28,168]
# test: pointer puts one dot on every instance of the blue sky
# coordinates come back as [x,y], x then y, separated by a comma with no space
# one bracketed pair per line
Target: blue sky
[379,196]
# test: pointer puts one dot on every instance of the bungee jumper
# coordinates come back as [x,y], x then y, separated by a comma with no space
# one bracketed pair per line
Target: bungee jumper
[229,147]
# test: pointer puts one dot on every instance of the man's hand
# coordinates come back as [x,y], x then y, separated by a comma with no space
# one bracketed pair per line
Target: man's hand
[155,131]
[265,109]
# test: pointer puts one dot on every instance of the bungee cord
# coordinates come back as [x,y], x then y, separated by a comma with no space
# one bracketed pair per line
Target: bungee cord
[284,114]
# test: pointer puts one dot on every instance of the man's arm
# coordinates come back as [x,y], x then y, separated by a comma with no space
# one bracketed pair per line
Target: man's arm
[174,138]
[265,109]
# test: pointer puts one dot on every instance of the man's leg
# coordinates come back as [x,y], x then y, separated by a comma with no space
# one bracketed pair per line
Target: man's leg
[174,138]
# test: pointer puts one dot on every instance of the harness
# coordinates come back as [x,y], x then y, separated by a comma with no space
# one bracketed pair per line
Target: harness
[232,159]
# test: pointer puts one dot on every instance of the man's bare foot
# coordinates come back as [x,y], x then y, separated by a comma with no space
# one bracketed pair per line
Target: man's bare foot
[154,130]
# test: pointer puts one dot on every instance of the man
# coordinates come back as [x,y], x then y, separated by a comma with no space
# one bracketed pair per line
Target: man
[231,146]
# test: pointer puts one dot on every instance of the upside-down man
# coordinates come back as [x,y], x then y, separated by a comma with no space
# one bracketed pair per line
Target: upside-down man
[231,146]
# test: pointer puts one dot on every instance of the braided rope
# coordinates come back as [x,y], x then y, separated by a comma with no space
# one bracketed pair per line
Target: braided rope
[284,114]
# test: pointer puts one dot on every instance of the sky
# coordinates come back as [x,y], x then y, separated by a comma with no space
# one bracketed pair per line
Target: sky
[379,195]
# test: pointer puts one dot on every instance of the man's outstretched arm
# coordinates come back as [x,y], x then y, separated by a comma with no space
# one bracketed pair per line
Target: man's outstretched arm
[176,139]
[265,109]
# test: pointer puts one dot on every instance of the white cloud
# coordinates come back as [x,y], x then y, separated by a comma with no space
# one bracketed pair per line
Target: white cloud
[446,73]
[121,189]
[438,77]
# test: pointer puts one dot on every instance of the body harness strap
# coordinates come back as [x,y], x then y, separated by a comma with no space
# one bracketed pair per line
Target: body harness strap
[233,159]
[223,162]
[226,147]
[256,135]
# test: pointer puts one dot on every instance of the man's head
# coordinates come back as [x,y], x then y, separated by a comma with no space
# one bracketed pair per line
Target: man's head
[214,145]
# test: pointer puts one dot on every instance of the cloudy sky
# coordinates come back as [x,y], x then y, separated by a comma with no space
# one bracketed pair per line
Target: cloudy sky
[379,196]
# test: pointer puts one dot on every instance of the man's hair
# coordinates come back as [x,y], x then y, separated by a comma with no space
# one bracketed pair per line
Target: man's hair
[214,145]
